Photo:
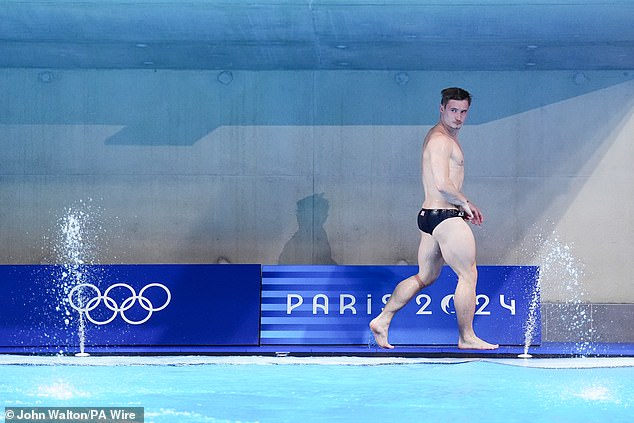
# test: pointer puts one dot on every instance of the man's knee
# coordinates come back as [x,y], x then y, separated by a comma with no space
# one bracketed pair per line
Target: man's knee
[424,279]
[469,275]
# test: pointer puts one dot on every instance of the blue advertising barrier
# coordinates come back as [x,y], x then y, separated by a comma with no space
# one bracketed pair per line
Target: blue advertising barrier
[140,305]
[164,307]
[332,305]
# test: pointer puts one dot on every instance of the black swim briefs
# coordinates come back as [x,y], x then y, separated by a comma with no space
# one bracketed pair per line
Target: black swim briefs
[428,219]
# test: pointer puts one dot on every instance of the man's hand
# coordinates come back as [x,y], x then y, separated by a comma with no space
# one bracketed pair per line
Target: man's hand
[473,214]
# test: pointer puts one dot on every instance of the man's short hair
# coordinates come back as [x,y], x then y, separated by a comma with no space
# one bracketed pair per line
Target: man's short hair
[454,93]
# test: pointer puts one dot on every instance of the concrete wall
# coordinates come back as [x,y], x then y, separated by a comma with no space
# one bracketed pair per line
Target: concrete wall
[317,167]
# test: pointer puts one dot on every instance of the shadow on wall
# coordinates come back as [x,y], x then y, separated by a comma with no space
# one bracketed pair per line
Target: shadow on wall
[309,244]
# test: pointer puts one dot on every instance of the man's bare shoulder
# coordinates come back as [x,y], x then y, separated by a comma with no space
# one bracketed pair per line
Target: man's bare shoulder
[437,139]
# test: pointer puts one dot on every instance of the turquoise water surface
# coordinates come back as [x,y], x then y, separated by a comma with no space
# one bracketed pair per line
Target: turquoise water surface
[301,391]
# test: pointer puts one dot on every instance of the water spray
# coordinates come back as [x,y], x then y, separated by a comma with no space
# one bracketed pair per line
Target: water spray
[74,251]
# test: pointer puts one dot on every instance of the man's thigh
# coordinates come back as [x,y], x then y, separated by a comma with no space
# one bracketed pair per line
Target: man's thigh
[457,244]
[430,259]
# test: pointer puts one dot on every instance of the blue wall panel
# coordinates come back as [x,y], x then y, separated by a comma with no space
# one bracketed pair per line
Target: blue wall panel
[180,305]
[137,307]
[332,305]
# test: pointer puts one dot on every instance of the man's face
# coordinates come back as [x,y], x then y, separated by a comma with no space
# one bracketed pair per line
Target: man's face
[454,114]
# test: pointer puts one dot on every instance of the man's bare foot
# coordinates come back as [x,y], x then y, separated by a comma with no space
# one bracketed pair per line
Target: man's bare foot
[380,333]
[475,343]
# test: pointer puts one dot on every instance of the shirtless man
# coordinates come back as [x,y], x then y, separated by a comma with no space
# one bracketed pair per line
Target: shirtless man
[445,235]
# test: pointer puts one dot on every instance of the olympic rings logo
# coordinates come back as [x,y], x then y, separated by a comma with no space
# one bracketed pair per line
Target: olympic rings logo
[86,307]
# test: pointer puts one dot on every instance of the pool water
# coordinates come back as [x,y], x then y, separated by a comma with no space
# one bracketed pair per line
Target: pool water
[287,390]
